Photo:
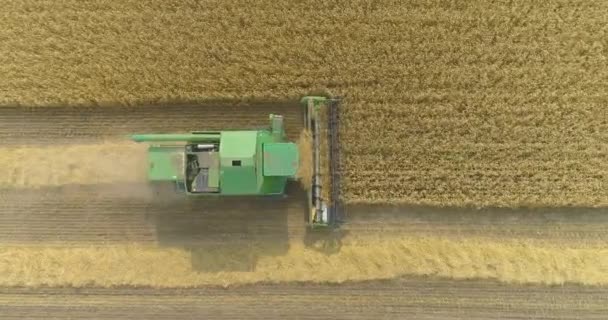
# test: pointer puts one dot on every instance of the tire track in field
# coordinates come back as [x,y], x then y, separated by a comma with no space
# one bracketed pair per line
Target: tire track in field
[420,298]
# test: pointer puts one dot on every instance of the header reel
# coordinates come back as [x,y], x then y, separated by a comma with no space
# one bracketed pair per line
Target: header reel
[321,119]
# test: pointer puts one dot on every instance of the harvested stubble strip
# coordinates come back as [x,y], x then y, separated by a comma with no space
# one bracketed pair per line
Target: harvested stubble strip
[358,259]
[40,166]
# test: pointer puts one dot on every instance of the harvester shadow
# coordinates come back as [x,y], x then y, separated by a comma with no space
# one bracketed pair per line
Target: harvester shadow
[226,233]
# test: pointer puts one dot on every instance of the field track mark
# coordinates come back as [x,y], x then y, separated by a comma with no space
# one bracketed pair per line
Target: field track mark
[421,298]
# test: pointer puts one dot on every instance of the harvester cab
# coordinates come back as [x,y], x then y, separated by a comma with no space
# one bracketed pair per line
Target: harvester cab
[253,162]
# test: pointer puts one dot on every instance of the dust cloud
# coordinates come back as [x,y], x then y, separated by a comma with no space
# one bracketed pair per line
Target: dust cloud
[43,166]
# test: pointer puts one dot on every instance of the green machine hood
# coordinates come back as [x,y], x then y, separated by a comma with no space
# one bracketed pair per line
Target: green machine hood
[280,159]
[231,162]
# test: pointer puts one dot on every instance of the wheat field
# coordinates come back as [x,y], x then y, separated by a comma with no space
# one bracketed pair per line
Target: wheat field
[466,103]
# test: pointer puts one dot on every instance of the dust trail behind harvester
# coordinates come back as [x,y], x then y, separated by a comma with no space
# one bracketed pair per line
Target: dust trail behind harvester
[57,165]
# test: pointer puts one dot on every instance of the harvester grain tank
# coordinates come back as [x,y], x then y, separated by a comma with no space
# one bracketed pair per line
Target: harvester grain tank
[250,162]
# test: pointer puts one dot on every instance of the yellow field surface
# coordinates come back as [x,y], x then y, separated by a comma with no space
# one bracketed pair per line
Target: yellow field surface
[56,165]
[358,259]
[470,102]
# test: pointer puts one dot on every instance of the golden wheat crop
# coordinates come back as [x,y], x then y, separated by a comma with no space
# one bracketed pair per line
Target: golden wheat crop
[521,261]
[467,102]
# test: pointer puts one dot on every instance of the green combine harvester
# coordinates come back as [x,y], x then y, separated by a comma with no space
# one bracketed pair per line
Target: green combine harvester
[250,162]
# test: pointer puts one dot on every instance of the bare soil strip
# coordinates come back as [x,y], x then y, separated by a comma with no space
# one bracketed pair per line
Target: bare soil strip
[419,298]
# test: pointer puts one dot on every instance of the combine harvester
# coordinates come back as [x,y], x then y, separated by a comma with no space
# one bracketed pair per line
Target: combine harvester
[252,162]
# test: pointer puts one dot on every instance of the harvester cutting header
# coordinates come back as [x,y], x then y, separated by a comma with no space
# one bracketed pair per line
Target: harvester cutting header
[255,162]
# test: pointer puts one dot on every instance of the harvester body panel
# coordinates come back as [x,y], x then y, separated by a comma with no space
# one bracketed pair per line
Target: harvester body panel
[166,163]
[231,162]
[238,162]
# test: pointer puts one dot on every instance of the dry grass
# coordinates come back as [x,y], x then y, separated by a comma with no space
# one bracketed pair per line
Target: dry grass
[498,103]
[56,165]
[359,259]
